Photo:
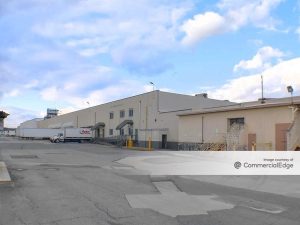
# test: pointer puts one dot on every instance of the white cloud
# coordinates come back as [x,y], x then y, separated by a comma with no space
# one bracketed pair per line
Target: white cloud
[242,12]
[68,92]
[67,110]
[298,31]
[75,81]
[88,52]
[31,84]
[122,89]
[18,115]
[46,55]
[133,34]
[64,29]
[8,76]
[233,15]
[202,26]
[12,93]
[248,88]
[256,42]
[52,94]
[261,60]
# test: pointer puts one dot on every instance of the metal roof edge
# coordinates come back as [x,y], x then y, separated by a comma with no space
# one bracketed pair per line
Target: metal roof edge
[238,107]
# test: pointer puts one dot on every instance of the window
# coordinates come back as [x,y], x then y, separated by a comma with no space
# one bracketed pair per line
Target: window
[236,122]
[122,132]
[111,131]
[122,113]
[111,115]
[130,113]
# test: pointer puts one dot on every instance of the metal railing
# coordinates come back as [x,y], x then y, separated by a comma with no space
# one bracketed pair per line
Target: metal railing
[293,134]
[118,140]
[187,146]
[201,146]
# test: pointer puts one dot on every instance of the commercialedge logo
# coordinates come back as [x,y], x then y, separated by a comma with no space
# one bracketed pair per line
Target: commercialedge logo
[278,165]
[237,165]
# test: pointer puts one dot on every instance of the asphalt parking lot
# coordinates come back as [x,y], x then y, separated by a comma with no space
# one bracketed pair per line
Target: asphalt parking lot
[86,184]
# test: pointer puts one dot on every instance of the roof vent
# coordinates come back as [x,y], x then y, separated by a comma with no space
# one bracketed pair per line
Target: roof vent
[203,95]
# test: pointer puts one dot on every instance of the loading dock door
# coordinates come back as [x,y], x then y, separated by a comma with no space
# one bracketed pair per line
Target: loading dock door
[280,136]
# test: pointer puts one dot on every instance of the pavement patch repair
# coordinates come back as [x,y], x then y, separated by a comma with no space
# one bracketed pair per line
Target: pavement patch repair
[88,184]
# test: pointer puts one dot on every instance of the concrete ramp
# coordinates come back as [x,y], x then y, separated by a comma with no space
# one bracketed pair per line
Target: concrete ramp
[4,175]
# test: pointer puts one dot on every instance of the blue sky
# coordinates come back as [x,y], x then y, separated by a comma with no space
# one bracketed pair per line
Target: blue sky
[65,53]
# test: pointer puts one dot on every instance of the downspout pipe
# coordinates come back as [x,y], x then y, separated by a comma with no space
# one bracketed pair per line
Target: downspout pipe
[202,129]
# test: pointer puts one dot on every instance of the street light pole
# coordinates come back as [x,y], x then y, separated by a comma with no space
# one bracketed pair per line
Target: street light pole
[262,90]
[152,85]
[291,90]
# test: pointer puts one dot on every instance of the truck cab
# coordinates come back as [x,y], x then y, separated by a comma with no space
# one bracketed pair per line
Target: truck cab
[57,138]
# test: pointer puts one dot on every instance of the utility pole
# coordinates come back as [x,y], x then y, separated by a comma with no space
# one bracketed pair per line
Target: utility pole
[262,90]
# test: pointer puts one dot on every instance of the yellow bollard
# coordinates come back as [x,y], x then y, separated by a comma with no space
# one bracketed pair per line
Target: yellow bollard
[253,148]
[130,143]
[149,143]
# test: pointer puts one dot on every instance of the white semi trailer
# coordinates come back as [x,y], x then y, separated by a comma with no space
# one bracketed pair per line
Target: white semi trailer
[72,135]
[38,133]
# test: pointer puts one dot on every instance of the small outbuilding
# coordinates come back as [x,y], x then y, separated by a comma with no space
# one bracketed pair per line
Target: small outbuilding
[273,124]
[3,115]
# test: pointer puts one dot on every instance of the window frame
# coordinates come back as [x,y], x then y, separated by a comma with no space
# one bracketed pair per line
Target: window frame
[130,112]
[111,115]
[122,113]
[240,121]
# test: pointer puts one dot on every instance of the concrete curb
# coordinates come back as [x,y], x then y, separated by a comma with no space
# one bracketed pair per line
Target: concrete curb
[4,175]
[279,185]
[138,149]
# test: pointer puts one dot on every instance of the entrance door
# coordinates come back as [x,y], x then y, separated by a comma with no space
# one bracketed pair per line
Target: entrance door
[101,132]
[164,141]
[280,136]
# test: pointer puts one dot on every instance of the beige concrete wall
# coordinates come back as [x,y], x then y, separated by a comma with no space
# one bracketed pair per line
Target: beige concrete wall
[30,123]
[172,102]
[155,114]
[294,132]
[170,121]
[144,112]
[56,122]
[259,121]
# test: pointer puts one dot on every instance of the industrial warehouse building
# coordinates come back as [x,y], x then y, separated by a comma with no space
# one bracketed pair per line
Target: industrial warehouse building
[270,125]
[149,116]
[31,123]
[185,122]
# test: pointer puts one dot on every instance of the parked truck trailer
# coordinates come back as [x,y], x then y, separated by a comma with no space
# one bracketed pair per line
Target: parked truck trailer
[38,133]
[72,135]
